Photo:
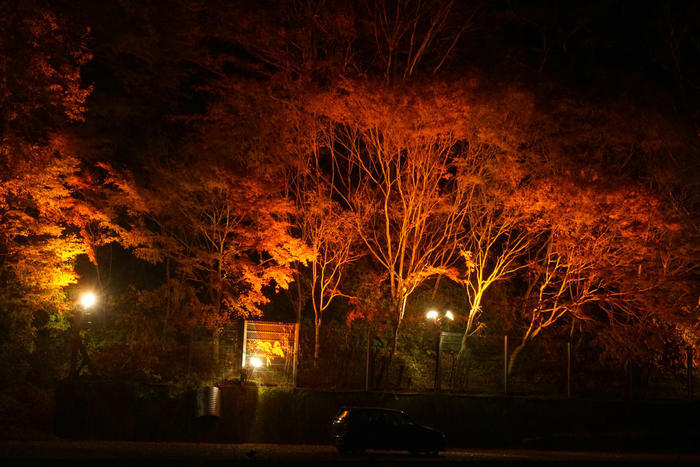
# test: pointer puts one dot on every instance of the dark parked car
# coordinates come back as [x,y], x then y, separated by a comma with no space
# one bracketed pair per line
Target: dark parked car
[355,429]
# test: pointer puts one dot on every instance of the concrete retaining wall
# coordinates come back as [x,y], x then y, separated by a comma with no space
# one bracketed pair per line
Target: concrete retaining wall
[100,410]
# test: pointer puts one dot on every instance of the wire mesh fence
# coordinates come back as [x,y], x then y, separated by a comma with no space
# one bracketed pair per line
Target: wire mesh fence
[485,365]
[269,353]
[357,359]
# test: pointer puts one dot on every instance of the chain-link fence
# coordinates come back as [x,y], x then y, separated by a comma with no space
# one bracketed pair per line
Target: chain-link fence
[356,358]
[486,365]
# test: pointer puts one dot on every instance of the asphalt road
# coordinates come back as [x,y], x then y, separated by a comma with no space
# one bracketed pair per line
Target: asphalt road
[195,454]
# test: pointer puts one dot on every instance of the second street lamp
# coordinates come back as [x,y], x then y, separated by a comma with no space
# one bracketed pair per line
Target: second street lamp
[438,319]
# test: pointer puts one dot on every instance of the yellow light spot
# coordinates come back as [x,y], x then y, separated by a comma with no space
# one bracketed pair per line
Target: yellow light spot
[255,362]
[88,299]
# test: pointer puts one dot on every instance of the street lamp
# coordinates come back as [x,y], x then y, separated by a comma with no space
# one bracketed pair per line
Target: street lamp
[86,301]
[438,319]
[435,316]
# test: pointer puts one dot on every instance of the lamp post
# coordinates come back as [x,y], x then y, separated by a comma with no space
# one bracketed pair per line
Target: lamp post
[438,319]
[87,301]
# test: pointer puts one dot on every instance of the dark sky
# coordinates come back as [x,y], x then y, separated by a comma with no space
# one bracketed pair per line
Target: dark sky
[148,58]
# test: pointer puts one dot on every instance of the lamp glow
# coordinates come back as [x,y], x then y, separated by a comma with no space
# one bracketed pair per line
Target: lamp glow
[432,314]
[255,362]
[449,315]
[88,300]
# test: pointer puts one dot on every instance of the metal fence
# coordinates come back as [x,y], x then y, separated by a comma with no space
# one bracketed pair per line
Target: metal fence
[355,360]
[269,354]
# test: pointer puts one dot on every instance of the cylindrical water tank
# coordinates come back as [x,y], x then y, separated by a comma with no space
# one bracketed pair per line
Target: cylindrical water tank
[208,402]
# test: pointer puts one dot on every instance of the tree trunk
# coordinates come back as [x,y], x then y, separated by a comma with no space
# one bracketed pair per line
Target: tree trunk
[400,307]
[514,355]
[462,366]
[299,299]
[190,351]
[317,326]
[168,305]
[75,344]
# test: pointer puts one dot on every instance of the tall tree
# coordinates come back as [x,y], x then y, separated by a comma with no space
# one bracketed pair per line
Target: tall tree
[227,235]
[324,225]
[396,177]
[41,95]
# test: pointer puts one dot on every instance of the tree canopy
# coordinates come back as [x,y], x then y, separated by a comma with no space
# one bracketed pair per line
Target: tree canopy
[544,153]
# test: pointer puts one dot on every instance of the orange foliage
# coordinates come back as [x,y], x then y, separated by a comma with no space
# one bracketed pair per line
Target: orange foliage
[227,235]
[269,350]
[40,174]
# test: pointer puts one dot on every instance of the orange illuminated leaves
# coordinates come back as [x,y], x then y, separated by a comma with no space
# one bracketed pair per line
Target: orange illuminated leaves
[269,350]
[228,235]
[41,92]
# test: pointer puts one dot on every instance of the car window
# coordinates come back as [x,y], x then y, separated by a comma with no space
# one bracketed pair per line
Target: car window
[402,419]
[360,417]
[388,419]
[396,419]
[376,418]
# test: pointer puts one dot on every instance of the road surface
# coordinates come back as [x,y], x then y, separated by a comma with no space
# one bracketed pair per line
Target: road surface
[195,454]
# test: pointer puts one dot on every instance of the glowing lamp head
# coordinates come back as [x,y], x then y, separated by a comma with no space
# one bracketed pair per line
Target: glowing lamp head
[255,362]
[432,314]
[88,300]
[449,315]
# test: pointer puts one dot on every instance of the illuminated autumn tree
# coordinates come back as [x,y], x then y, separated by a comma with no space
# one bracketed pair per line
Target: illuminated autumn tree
[562,281]
[227,235]
[402,35]
[494,244]
[395,176]
[408,32]
[598,252]
[325,226]
[41,95]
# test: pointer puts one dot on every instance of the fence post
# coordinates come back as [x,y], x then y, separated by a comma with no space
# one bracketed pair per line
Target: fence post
[689,366]
[296,355]
[243,355]
[437,362]
[568,369]
[505,365]
[367,361]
